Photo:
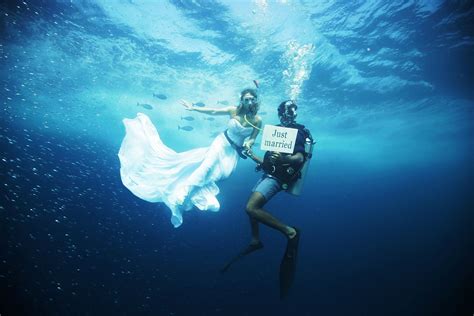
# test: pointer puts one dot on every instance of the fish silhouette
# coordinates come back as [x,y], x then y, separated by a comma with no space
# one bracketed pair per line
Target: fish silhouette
[145,106]
[186,128]
[225,102]
[160,96]
[262,113]
[209,118]
[200,104]
[187,118]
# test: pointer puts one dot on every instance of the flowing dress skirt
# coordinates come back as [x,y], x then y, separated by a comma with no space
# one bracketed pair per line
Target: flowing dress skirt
[156,173]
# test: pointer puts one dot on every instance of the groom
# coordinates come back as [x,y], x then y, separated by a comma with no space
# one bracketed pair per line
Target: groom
[270,184]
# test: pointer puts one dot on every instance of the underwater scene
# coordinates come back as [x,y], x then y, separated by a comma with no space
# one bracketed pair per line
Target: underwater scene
[125,129]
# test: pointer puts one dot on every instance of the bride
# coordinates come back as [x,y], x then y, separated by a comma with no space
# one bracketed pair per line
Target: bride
[156,173]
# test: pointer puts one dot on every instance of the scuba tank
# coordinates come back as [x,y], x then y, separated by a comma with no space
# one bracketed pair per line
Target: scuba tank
[296,187]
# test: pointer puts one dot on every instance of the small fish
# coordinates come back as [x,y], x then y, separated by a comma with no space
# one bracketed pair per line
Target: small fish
[186,128]
[256,83]
[145,106]
[187,118]
[262,113]
[200,104]
[225,102]
[160,96]
[209,118]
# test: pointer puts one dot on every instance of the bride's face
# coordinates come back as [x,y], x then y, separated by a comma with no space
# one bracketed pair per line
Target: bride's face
[249,102]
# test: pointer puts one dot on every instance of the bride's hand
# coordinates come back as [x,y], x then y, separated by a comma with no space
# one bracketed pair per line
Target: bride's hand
[249,143]
[188,105]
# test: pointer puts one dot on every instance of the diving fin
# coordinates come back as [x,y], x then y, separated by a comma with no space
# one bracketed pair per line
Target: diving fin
[249,249]
[288,265]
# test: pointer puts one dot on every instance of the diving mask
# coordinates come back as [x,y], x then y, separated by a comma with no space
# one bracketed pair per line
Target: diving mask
[248,101]
[288,115]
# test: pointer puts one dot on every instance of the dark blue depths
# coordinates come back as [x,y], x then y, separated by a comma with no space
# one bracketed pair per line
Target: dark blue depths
[394,243]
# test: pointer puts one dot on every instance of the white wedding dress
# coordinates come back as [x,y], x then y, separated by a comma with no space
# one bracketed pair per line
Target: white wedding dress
[156,173]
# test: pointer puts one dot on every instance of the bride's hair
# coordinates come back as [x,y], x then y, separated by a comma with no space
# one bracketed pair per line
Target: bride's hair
[253,110]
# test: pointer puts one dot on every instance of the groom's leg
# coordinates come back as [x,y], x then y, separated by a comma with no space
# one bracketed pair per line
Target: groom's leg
[256,212]
[255,231]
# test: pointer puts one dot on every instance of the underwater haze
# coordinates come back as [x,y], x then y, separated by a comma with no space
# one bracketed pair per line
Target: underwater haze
[386,213]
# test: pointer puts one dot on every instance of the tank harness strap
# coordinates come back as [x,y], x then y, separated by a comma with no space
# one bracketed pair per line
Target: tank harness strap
[239,149]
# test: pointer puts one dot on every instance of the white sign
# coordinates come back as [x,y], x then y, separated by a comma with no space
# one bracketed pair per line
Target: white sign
[277,138]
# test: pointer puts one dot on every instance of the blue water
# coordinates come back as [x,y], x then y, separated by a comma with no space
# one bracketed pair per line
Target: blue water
[386,88]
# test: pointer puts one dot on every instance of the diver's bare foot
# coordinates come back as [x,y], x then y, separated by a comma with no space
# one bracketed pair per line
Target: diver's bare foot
[255,242]
[291,232]
[253,246]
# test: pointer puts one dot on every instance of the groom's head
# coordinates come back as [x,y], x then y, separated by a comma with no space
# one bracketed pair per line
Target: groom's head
[287,112]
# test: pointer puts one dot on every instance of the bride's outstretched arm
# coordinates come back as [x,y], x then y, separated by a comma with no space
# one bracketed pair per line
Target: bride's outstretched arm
[211,111]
